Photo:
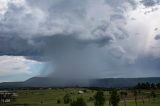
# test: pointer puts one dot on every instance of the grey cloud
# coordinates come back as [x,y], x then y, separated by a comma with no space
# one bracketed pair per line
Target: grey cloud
[121,33]
[13,45]
[37,47]
[117,16]
[61,8]
[155,29]
[140,68]
[157,37]
[18,20]
[117,52]
[120,3]
[60,17]
[133,18]
[150,3]
[151,11]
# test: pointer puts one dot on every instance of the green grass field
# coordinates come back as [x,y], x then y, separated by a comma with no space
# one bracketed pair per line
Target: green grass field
[49,97]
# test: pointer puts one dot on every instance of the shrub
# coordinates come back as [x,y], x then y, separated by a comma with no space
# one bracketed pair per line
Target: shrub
[67,99]
[58,101]
[78,102]
[90,99]
[85,90]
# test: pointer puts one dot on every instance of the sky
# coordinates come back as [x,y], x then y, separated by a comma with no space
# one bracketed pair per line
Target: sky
[79,39]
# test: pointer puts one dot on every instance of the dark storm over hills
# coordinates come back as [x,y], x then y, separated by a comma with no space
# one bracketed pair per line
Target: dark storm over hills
[82,40]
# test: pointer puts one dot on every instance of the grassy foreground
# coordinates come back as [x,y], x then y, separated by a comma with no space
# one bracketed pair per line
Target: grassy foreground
[49,97]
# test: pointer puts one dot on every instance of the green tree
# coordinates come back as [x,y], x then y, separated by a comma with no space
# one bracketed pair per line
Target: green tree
[158,85]
[99,99]
[78,102]
[148,86]
[115,98]
[139,86]
[153,86]
[67,99]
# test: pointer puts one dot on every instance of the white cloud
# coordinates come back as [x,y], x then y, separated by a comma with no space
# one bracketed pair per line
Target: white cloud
[4,4]
[15,65]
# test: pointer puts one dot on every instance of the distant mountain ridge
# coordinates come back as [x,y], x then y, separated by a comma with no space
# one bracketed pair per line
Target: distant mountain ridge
[123,82]
[105,82]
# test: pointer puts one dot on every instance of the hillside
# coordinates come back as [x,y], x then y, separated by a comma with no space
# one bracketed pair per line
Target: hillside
[106,82]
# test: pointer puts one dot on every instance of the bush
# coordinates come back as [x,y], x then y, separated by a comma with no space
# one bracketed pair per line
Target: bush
[78,102]
[84,90]
[67,99]
[99,99]
[90,99]
[58,101]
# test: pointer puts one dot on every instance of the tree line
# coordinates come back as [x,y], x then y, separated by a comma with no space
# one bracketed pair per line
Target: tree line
[147,86]
[99,99]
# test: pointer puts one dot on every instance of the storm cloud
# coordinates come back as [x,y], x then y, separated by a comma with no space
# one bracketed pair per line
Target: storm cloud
[80,38]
